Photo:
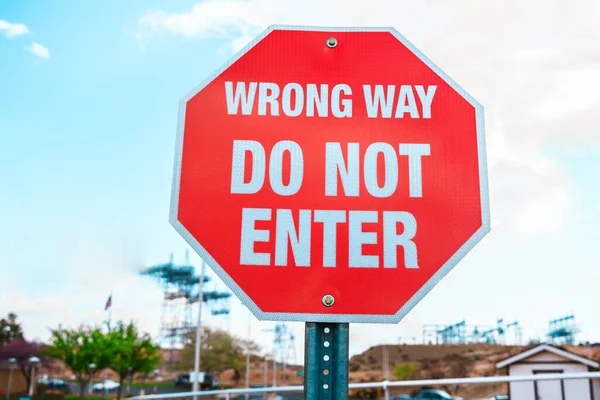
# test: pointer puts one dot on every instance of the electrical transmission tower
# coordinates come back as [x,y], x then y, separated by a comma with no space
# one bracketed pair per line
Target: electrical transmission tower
[562,330]
[180,286]
[284,349]
[445,334]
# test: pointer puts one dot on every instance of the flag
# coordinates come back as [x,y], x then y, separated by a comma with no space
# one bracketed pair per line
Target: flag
[108,303]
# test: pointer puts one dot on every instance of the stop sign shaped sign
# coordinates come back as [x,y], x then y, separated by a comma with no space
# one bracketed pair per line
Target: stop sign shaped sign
[330,174]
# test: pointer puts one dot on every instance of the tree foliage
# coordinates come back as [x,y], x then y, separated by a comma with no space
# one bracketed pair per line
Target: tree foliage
[22,350]
[10,330]
[123,349]
[77,349]
[219,351]
[405,372]
[130,352]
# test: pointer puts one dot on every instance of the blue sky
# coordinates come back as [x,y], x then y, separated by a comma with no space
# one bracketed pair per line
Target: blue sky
[87,128]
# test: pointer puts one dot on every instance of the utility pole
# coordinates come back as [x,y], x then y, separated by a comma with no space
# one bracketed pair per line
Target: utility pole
[274,368]
[266,372]
[386,369]
[92,367]
[386,362]
[248,355]
[196,382]
[11,365]
[33,361]
[283,367]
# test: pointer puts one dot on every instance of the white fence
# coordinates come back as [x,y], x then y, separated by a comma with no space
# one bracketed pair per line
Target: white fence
[385,385]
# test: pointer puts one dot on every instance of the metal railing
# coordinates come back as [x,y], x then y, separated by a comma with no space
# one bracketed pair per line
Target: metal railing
[385,385]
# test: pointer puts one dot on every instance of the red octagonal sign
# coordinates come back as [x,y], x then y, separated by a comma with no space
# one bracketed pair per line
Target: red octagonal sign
[330,174]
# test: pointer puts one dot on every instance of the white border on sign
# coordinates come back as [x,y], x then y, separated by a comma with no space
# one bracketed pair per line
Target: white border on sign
[334,318]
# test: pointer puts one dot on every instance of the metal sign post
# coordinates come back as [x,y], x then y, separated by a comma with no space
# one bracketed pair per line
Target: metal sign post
[326,361]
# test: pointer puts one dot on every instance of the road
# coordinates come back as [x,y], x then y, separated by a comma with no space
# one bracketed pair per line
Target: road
[136,391]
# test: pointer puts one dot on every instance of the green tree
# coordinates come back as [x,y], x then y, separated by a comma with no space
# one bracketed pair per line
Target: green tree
[219,351]
[77,349]
[130,352]
[10,330]
[405,372]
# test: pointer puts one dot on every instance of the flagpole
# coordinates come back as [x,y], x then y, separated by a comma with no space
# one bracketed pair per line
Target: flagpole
[110,311]
[247,395]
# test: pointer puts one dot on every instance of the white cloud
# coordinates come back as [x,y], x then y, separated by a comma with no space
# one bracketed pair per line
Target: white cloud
[38,50]
[530,64]
[12,30]
[213,17]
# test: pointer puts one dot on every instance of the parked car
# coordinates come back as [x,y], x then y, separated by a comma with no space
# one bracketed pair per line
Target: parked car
[207,381]
[496,397]
[106,385]
[57,384]
[499,397]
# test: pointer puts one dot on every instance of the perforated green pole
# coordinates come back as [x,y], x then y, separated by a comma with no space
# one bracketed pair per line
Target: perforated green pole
[326,361]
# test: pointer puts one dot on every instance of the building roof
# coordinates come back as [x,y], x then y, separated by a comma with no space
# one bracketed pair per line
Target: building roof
[551,349]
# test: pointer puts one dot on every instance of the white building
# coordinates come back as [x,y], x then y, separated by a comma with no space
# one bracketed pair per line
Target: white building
[545,359]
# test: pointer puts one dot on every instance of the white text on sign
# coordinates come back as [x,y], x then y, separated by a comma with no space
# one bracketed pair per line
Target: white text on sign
[299,237]
[293,100]
[348,170]
[408,154]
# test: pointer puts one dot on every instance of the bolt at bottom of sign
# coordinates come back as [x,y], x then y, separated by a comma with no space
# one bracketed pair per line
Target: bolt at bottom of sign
[328,300]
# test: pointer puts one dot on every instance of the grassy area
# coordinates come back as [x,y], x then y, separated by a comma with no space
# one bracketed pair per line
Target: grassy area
[66,397]
[150,384]
[146,384]
[76,397]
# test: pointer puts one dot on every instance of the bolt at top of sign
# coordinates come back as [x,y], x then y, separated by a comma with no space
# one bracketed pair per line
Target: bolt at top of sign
[331,42]
[337,179]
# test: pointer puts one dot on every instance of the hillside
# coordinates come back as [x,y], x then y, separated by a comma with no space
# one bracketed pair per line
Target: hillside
[444,361]
[372,359]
